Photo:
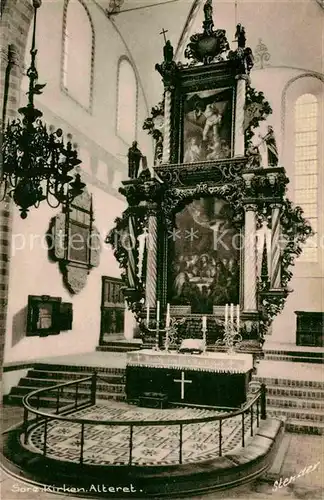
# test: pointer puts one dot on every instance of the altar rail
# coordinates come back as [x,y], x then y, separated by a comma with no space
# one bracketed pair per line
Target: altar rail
[255,406]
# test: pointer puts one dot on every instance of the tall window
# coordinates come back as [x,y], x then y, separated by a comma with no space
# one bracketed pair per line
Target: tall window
[78,43]
[306,166]
[126,101]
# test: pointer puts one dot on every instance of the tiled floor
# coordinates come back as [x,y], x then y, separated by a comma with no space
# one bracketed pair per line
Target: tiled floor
[151,444]
[299,451]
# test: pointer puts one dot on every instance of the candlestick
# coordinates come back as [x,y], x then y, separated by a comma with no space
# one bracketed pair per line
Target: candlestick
[167,321]
[147,314]
[158,311]
[204,323]
[157,337]
[232,315]
[238,317]
[226,315]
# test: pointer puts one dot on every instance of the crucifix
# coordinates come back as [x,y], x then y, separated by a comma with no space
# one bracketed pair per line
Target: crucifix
[182,381]
[163,32]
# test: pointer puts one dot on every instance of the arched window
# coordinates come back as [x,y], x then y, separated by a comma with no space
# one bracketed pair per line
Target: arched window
[78,46]
[306,166]
[126,101]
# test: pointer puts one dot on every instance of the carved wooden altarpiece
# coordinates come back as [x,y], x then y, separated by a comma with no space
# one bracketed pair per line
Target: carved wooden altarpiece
[205,200]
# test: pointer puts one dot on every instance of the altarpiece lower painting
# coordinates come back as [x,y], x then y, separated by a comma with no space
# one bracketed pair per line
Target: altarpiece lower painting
[206,256]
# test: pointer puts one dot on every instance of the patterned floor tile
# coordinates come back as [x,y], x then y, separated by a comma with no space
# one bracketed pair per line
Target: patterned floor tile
[151,444]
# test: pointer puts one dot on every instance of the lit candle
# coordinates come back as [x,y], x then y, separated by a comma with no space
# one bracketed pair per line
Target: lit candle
[147,314]
[158,311]
[167,321]
[204,323]
[232,314]
[238,316]
[226,315]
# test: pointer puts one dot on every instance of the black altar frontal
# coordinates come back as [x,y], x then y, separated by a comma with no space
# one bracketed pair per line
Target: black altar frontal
[202,232]
[213,379]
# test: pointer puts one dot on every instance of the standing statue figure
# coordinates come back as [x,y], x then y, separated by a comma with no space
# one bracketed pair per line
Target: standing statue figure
[208,10]
[168,52]
[240,36]
[271,144]
[208,23]
[134,159]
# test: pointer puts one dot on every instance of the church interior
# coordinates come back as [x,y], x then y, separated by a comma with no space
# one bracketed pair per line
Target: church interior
[162,249]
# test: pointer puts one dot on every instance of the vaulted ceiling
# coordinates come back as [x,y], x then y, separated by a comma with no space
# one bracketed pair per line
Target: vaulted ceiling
[292,30]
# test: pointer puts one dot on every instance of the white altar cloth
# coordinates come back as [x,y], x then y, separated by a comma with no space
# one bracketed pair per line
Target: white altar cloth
[218,362]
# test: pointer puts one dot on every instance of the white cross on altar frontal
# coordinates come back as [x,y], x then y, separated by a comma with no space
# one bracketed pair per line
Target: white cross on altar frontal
[182,382]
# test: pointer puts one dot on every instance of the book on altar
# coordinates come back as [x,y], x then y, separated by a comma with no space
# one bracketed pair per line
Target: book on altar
[192,346]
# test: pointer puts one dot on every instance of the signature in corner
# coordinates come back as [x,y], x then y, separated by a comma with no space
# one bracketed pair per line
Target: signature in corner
[281,483]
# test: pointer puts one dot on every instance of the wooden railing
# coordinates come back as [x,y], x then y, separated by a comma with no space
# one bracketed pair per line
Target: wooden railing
[255,407]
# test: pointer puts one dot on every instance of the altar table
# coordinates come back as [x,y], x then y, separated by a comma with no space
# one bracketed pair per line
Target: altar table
[214,379]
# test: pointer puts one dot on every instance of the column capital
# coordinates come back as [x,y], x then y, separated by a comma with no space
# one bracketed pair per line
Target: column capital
[275,205]
[243,76]
[152,209]
[250,207]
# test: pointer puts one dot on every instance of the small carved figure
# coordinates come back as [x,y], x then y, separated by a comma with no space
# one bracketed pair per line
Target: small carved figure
[208,10]
[134,159]
[249,59]
[254,156]
[168,52]
[240,36]
[158,153]
[271,144]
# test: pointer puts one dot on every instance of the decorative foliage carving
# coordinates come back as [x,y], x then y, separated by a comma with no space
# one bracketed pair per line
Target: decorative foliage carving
[257,109]
[155,127]
[134,296]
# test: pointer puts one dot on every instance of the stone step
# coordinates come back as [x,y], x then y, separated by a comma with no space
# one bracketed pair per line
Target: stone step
[304,427]
[54,376]
[300,403]
[71,375]
[298,392]
[302,352]
[50,402]
[292,358]
[296,414]
[287,382]
[84,370]
[70,391]
[116,348]
[36,383]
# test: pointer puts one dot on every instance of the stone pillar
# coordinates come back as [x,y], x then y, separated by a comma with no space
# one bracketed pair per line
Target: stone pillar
[239,139]
[250,264]
[275,268]
[167,127]
[151,272]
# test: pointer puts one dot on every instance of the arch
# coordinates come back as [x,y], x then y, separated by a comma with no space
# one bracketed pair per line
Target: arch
[310,74]
[303,133]
[78,45]
[127,101]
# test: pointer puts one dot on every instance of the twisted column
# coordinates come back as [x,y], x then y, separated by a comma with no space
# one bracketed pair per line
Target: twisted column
[151,272]
[129,242]
[250,264]
[275,271]
[239,140]
[167,127]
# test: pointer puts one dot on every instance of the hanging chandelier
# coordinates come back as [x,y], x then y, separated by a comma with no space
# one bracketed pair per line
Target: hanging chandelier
[37,165]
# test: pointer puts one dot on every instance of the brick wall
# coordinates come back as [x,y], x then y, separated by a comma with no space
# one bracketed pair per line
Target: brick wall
[16,19]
